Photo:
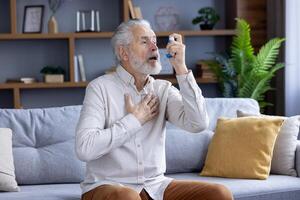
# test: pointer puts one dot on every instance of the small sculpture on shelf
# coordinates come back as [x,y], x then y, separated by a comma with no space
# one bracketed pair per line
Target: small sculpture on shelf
[53,74]
[52,23]
[88,21]
[207,18]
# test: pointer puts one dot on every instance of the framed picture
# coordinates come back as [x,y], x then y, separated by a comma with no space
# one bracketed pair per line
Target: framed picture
[33,19]
[166,67]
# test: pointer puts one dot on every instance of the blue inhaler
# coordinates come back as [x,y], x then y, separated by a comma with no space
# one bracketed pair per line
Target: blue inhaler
[171,39]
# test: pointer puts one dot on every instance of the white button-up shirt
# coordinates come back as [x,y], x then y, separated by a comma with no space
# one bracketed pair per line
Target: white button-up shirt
[118,150]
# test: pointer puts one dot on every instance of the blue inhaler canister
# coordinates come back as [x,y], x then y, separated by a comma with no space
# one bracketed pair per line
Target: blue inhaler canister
[171,39]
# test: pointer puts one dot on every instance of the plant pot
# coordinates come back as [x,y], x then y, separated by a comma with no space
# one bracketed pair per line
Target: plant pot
[54,78]
[206,26]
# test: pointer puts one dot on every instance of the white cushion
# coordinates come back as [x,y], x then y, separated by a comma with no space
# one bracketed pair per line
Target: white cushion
[7,170]
[283,161]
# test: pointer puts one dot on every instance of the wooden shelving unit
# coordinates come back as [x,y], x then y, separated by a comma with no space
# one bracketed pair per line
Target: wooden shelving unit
[71,38]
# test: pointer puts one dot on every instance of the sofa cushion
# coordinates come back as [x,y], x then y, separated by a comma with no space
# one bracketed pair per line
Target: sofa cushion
[45,192]
[227,107]
[276,187]
[283,161]
[242,148]
[43,144]
[7,170]
[186,151]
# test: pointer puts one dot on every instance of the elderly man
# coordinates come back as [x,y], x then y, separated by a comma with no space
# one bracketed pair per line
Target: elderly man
[122,125]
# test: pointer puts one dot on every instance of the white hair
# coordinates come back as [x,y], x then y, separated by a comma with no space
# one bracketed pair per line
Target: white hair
[123,34]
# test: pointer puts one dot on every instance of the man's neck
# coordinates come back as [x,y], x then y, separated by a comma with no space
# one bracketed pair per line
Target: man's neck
[139,79]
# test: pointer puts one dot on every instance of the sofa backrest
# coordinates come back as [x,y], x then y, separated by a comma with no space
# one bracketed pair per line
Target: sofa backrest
[43,141]
[43,144]
[186,152]
[227,107]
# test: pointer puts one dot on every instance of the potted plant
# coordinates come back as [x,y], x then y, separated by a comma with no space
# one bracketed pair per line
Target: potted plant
[207,18]
[53,74]
[244,74]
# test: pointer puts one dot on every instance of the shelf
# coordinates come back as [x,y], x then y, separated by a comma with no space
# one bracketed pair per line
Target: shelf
[55,36]
[172,79]
[42,85]
[87,35]
[221,32]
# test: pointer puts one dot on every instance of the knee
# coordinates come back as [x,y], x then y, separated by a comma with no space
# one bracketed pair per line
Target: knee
[125,194]
[220,192]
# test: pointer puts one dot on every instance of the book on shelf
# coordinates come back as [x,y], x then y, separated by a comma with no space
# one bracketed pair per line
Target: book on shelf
[81,67]
[76,70]
[138,12]
[131,9]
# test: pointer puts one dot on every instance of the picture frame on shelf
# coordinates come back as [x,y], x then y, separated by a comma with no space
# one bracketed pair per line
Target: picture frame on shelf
[166,67]
[33,19]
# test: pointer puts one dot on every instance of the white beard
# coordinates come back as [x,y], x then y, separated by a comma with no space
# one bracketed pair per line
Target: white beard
[144,67]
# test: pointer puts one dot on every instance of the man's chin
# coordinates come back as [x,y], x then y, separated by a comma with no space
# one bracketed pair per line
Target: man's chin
[151,70]
[155,70]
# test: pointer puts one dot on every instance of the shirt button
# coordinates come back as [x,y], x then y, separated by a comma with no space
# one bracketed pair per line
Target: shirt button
[140,163]
[138,145]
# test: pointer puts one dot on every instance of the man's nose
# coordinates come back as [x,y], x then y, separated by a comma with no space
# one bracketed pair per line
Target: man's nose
[153,46]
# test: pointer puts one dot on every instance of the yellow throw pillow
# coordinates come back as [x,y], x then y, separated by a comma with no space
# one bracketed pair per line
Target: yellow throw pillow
[242,148]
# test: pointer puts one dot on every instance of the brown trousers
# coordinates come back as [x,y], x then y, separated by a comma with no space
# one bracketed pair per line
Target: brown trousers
[176,190]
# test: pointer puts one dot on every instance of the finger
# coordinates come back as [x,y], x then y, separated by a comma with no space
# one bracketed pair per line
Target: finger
[155,107]
[147,99]
[155,104]
[154,113]
[177,37]
[152,101]
[169,45]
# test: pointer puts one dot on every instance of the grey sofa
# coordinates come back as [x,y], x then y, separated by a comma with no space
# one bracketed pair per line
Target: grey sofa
[46,166]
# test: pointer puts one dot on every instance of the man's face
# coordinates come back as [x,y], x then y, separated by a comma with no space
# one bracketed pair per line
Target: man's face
[143,52]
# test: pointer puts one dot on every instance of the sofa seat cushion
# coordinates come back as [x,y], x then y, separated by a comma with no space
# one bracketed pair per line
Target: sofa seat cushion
[276,187]
[45,192]
[43,144]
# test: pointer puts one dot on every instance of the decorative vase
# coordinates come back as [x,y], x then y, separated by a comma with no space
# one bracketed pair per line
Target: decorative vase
[52,25]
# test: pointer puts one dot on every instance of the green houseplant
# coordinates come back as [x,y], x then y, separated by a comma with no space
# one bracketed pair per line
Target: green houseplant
[244,74]
[53,74]
[207,18]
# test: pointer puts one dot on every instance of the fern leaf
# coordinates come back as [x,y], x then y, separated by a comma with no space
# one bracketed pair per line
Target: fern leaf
[267,55]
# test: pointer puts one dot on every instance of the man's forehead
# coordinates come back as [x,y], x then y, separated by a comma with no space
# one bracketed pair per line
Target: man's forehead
[143,32]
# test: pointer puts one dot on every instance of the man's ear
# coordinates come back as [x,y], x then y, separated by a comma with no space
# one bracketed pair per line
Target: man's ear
[123,52]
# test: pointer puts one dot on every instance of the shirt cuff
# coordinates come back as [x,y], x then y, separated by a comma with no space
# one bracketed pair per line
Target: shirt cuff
[185,77]
[187,81]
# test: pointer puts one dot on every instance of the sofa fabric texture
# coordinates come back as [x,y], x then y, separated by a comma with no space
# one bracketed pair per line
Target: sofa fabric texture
[47,168]
[43,144]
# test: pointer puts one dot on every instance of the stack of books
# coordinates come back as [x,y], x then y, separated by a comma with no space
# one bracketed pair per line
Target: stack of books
[203,70]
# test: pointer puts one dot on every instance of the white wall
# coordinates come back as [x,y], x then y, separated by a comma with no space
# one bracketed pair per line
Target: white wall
[292,67]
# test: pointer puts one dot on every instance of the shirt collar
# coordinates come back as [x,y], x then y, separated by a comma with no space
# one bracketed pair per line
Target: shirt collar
[128,78]
[124,75]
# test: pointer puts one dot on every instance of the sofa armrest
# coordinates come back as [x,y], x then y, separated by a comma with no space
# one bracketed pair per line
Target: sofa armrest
[298,158]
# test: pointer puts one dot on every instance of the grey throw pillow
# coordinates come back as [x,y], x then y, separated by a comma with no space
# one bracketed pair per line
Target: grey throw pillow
[283,161]
[7,170]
